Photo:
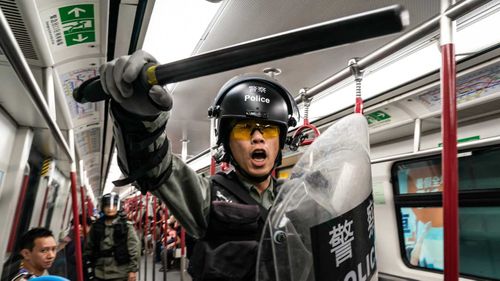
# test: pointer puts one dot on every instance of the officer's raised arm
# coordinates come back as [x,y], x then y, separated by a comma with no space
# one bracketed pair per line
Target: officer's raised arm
[140,117]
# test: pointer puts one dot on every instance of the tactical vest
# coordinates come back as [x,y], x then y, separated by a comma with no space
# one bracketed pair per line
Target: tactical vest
[120,234]
[228,251]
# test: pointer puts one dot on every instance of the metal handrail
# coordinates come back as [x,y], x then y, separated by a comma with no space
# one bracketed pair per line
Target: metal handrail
[16,58]
[455,11]
[419,32]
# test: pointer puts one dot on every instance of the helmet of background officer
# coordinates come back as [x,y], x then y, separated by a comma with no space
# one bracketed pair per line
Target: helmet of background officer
[38,248]
[110,205]
[253,101]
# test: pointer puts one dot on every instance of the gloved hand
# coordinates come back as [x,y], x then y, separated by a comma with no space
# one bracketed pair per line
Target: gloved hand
[117,77]
[140,117]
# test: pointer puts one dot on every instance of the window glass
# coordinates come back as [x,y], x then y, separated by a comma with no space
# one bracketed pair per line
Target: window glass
[477,170]
[480,170]
[419,177]
[423,236]
[479,239]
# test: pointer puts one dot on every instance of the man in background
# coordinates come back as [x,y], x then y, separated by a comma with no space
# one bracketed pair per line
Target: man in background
[38,249]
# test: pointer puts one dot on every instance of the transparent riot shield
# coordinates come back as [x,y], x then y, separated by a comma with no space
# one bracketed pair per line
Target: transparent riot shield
[321,226]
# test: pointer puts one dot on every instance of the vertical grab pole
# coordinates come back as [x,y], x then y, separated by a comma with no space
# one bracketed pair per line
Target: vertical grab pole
[154,239]
[183,265]
[44,204]
[20,206]
[84,216]
[138,212]
[165,235]
[139,226]
[146,229]
[90,205]
[74,202]
[64,213]
[212,145]
[449,154]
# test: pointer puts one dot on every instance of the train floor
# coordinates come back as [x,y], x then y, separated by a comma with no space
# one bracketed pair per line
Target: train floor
[173,274]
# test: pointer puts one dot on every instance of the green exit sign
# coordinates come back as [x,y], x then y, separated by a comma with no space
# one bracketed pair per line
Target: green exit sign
[78,23]
[377,116]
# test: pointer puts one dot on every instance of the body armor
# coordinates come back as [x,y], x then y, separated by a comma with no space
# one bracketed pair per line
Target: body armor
[228,251]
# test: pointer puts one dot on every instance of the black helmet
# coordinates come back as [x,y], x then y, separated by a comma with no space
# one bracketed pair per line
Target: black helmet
[252,96]
[110,200]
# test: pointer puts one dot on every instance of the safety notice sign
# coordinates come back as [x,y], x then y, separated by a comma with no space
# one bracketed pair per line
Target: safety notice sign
[70,25]
[78,23]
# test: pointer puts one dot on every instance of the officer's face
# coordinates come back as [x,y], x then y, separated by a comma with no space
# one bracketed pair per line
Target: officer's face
[110,211]
[256,153]
[42,255]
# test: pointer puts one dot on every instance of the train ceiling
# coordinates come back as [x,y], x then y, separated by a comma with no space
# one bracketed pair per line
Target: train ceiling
[71,39]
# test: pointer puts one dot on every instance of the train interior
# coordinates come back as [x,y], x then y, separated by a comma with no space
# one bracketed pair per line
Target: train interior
[46,135]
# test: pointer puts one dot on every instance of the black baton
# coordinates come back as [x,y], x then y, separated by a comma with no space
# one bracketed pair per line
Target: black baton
[332,33]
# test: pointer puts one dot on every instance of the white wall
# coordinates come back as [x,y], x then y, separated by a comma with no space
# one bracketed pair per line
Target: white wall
[15,145]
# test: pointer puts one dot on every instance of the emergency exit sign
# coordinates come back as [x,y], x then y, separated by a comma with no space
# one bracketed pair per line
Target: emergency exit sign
[78,23]
[377,116]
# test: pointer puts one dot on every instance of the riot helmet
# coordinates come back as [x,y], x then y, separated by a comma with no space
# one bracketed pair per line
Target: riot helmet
[252,96]
[111,200]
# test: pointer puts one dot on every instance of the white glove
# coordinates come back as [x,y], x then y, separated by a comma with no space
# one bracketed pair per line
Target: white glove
[117,77]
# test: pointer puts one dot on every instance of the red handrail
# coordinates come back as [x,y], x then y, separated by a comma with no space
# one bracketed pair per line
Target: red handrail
[183,241]
[449,154]
[20,203]
[84,217]
[64,213]
[90,207]
[146,220]
[165,222]
[76,223]
[42,212]
[306,126]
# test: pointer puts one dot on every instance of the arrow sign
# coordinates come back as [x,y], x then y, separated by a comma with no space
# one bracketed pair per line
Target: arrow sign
[80,38]
[76,11]
[78,23]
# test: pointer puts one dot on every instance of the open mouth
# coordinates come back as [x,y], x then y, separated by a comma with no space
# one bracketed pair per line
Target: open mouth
[259,154]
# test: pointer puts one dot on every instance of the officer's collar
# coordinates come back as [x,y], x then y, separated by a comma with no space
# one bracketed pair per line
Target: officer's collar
[248,185]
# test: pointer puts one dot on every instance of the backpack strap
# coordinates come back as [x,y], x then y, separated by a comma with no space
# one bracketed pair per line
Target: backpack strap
[230,183]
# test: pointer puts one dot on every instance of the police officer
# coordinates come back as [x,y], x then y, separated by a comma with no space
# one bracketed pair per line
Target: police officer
[225,212]
[112,246]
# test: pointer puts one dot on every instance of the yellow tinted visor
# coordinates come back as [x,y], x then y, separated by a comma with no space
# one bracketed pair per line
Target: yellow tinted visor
[244,130]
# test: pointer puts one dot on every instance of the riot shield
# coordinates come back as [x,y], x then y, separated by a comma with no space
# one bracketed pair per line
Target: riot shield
[321,226]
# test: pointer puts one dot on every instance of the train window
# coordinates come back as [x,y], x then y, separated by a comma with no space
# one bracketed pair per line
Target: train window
[418,200]
[419,177]
[480,171]
[477,170]
[479,239]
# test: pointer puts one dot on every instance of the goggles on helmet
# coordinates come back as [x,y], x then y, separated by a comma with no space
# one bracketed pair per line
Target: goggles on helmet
[244,129]
[111,200]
